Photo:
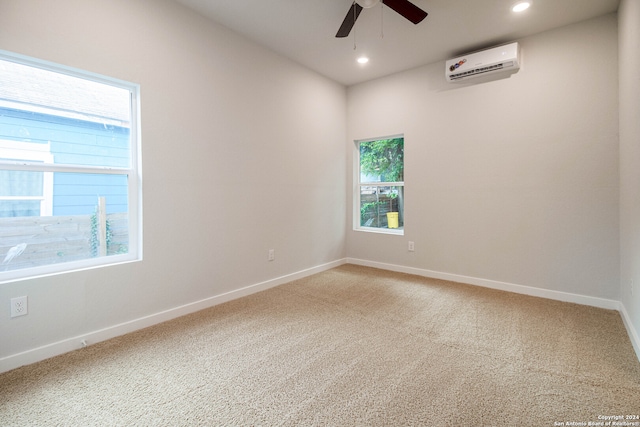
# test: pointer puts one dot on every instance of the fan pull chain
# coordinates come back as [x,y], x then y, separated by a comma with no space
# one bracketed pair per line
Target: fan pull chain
[355,46]
[355,17]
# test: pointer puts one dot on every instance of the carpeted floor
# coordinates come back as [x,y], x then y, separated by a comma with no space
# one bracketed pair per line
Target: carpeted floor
[350,346]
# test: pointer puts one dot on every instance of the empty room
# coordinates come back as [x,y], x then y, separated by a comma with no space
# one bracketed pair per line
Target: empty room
[334,213]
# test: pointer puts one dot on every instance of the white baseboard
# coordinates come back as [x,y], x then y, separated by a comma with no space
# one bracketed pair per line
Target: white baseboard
[50,350]
[519,289]
[633,334]
[493,284]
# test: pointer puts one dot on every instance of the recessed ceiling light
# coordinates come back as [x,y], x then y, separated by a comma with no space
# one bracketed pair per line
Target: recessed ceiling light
[363,60]
[519,7]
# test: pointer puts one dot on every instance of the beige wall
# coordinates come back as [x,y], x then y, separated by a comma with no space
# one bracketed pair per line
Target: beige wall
[629,48]
[242,151]
[514,180]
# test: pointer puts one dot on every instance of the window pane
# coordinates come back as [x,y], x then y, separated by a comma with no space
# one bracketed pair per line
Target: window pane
[382,160]
[382,207]
[94,224]
[86,122]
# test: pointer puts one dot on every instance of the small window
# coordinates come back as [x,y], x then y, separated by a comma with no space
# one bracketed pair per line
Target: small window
[69,174]
[380,182]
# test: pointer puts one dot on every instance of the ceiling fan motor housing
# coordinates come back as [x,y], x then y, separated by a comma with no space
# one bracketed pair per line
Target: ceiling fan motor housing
[367,3]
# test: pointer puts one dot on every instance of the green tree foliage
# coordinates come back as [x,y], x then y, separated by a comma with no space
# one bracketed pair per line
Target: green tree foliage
[383,158]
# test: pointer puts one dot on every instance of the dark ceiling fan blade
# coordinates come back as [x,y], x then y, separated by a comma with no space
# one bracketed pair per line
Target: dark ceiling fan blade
[349,20]
[407,9]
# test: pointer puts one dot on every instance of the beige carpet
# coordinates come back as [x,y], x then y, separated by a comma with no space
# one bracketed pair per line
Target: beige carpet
[350,346]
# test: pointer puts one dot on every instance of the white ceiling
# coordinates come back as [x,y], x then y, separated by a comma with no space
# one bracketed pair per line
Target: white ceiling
[304,30]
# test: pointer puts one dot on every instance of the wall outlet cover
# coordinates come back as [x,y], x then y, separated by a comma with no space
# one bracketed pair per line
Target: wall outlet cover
[19,306]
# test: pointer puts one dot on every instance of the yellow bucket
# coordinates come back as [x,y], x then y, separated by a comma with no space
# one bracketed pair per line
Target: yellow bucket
[392,219]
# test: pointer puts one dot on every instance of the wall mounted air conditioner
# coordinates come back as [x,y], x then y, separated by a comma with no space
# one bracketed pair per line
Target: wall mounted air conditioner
[502,59]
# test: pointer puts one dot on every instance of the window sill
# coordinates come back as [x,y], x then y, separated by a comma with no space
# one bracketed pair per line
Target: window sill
[67,267]
[397,231]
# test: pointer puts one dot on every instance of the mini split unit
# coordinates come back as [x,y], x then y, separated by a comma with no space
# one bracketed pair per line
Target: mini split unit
[498,60]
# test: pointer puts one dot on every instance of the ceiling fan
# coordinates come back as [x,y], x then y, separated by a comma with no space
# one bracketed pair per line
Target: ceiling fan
[404,7]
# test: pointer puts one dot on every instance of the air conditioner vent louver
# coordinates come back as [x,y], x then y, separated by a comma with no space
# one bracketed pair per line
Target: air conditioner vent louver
[482,70]
[502,59]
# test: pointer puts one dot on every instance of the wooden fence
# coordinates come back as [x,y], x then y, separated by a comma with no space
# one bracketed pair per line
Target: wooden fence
[57,239]
[374,210]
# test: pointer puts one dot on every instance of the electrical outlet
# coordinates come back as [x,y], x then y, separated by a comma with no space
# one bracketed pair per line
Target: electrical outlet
[19,306]
[272,254]
[411,247]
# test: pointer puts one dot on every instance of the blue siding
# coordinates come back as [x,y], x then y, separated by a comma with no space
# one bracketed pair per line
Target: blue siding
[77,194]
[75,142]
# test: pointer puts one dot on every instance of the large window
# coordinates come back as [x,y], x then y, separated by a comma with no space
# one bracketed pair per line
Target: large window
[69,169]
[380,185]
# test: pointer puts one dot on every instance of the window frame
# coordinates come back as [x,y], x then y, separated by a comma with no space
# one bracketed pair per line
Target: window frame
[358,185]
[133,174]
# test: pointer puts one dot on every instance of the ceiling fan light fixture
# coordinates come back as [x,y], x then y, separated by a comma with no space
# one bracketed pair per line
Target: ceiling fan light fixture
[521,6]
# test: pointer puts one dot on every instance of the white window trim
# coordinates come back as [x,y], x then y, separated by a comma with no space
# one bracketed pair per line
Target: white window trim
[133,173]
[357,184]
